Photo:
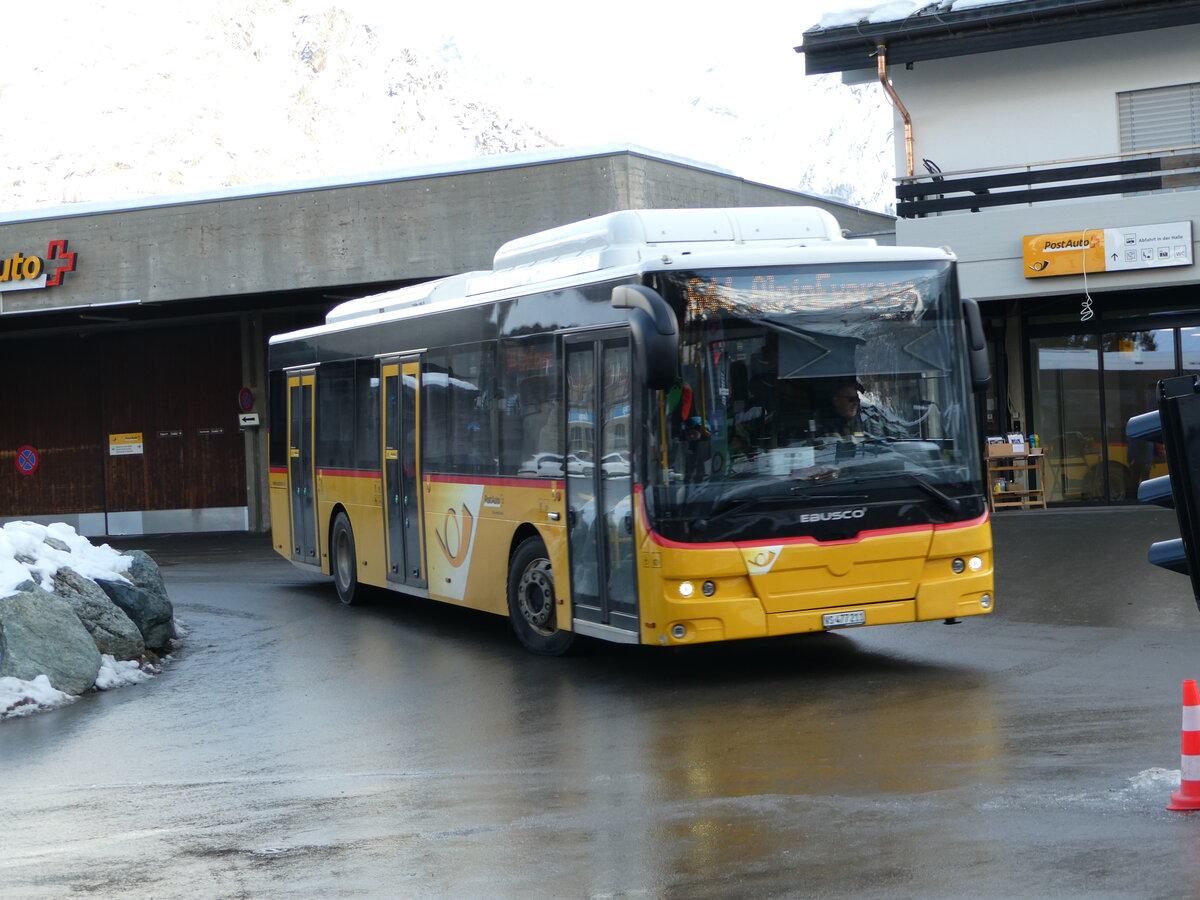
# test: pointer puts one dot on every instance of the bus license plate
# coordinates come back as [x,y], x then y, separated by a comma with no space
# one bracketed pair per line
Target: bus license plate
[842,619]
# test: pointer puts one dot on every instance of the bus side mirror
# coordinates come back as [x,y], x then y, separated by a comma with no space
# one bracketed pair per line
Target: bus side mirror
[655,333]
[981,373]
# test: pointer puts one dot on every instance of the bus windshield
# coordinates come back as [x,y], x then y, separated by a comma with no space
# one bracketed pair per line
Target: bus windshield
[819,401]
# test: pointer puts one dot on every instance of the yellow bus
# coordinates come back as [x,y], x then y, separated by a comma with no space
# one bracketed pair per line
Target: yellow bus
[635,428]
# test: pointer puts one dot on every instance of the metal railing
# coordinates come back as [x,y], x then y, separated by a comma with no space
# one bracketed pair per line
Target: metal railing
[1064,179]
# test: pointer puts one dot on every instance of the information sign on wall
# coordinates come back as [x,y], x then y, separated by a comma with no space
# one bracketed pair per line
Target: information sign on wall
[129,444]
[1108,249]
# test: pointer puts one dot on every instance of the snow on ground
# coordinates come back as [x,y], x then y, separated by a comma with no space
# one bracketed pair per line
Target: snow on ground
[20,698]
[25,556]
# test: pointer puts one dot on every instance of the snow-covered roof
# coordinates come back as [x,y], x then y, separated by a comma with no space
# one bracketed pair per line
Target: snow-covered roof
[916,30]
[896,10]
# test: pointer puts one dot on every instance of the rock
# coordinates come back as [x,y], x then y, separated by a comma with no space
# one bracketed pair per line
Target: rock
[110,627]
[144,572]
[144,600]
[41,635]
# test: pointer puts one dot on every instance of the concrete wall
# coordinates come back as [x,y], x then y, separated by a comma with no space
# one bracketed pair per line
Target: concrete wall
[394,230]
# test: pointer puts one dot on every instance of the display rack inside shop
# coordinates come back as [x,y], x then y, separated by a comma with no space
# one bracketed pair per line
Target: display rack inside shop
[1016,472]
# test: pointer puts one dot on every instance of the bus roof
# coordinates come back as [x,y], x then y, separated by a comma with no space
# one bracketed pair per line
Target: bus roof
[620,244]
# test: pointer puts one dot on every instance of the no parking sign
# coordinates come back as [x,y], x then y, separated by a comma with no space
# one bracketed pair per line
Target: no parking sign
[28,460]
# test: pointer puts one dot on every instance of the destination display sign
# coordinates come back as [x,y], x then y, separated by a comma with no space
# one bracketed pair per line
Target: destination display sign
[811,290]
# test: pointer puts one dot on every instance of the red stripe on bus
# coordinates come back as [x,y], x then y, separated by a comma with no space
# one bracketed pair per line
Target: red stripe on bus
[807,539]
[488,481]
[350,473]
[279,470]
[966,523]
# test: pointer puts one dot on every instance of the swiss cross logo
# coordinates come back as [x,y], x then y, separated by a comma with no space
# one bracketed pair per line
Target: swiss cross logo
[61,261]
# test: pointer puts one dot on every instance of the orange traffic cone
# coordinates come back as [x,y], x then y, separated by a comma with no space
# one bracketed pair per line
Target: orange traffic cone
[1188,796]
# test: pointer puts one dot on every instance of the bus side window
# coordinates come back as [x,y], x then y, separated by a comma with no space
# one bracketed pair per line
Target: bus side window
[366,426]
[335,412]
[459,387]
[435,419]
[277,417]
[530,408]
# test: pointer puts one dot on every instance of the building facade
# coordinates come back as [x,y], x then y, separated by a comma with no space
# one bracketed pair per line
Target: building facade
[133,337]
[1054,146]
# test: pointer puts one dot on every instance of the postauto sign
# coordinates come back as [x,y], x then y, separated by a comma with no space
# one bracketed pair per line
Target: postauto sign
[25,271]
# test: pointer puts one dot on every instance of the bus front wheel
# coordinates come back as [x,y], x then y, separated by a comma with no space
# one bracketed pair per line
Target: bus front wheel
[342,559]
[532,602]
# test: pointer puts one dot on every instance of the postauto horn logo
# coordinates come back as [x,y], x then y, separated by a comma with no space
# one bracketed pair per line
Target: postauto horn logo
[20,272]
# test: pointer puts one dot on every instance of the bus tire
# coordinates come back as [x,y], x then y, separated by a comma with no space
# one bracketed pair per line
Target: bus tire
[532,602]
[343,562]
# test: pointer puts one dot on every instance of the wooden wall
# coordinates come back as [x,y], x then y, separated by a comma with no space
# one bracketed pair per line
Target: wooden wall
[65,395]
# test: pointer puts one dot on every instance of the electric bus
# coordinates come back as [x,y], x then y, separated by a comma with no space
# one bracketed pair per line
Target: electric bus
[622,431]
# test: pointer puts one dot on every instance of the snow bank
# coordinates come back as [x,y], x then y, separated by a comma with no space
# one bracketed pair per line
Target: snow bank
[20,698]
[25,555]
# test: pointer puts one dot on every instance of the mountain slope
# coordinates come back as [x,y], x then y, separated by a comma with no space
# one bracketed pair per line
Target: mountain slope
[243,92]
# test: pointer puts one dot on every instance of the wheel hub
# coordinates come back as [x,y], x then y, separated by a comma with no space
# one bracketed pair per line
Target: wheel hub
[535,593]
[342,560]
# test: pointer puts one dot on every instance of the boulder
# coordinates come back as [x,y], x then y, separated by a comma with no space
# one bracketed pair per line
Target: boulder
[110,627]
[144,572]
[144,600]
[40,634]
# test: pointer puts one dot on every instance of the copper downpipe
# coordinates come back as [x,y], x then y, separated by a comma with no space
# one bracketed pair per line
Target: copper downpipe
[881,62]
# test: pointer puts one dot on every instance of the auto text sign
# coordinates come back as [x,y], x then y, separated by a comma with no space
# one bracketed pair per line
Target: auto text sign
[1108,249]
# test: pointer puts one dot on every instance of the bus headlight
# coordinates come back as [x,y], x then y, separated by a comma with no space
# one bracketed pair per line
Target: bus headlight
[686,589]
[708,589]
[960,565]
[986,601]
[679,632]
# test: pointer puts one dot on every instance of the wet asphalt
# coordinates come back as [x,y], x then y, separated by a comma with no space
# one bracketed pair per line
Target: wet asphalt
[296,748]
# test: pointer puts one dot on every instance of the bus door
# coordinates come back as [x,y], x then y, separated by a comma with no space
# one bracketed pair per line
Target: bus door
[401,478]
[300,466]
[599,480]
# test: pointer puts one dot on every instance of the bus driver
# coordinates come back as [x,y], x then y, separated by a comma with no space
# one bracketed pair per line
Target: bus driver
[843,417]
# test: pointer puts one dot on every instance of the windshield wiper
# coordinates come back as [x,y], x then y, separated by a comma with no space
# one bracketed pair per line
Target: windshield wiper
[951,503]
[702,523]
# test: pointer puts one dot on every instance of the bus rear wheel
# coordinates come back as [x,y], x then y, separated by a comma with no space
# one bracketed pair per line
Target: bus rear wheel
[343,560]
[532,602]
